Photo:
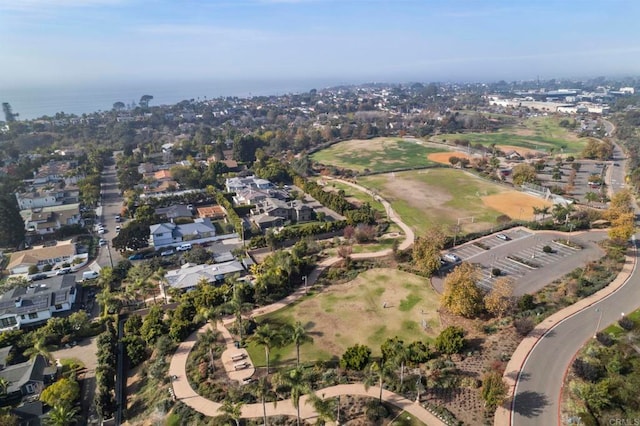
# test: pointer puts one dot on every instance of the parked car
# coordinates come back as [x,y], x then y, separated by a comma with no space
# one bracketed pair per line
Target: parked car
[38,277]
[102,242]
[450,257]
[167,252]
[63,271]
[89,275]
[101,231]
[503,237]
[118,228]
[184,247]
[136,256]
[118,218]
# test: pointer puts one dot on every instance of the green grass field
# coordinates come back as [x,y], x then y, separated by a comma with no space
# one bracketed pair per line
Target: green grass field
[537,133]
[351,192]
[376,155]
[437,197]
[345,314]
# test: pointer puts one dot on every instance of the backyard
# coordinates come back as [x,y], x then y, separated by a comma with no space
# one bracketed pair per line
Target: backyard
[382,302]
[377,155]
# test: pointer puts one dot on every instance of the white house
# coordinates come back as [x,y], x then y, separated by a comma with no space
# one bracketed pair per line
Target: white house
[188,276]
[235,184]
[36,302]
[168,233]
[20,261]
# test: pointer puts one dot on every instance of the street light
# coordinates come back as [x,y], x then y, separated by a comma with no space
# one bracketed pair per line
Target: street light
[304,278]
[598,325]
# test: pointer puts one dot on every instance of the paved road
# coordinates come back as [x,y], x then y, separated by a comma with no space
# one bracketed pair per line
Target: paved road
[538,391]
[111,203]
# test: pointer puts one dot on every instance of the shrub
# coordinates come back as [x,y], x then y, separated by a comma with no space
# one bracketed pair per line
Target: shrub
[604,339]
[523,325]
[586,370]
[496,272]
[626,323]
[450,340]
[47,267]
[356,357]
[547,249]
[33,269]
[526,303]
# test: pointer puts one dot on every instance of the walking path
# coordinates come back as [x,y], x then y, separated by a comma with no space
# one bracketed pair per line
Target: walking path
[185,393]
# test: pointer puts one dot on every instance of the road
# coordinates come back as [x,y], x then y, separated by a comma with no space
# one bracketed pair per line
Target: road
[111,204]
[538,387]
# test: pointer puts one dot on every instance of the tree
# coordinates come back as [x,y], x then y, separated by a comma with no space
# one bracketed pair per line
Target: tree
[298,335]
[356,357]
[9,115]
[118,106]
[62,415]
[267,337]
[426,251]
[450,340]
[377,372]
[263,391]
[233,410]
[494,390]
[12,230]
[461,294]
[499,301]
[591,197]
[134,236]
[153,325]
[144,101]
[4,385]
[326,409]
[524,173]
[63,392]
[298,385]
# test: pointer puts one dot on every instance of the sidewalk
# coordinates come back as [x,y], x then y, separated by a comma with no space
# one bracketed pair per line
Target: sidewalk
[512,371]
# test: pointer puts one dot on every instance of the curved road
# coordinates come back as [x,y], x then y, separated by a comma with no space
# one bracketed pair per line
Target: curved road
[540,363]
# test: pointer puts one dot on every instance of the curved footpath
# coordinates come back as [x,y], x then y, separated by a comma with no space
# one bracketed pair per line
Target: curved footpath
[185,393]
[535,373]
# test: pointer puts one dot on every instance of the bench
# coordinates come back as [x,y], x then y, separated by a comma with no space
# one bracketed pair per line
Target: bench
[240,365]
[237,357]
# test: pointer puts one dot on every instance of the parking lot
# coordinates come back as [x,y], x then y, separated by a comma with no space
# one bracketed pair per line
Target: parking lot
[522,258]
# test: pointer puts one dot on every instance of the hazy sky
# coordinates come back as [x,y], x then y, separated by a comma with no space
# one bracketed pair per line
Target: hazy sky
[45,42]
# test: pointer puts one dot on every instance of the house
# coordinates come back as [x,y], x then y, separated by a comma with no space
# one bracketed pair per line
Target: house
[146,168]
[47,196]
[27,378]
[162,175]
[287,210]
[188,276]
[56,171]
[20,261]
[235,184]
[31,413]
[46,220]
[213,212]
[174,212]
[37,302]
[513,155]
[164,234]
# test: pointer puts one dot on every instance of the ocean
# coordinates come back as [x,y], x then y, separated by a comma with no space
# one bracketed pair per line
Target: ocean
[33,103]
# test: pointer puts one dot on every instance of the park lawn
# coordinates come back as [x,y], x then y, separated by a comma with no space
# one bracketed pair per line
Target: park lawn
[616,331]
[377,155]
[381,244]
[536,133]
[343,315]
[351,192]
[437,197]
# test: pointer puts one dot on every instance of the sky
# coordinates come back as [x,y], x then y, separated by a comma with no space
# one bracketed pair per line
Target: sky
[76,42]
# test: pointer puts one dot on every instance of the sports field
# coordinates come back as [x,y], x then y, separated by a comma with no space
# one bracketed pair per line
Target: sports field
[446,197]
[376,155]
[354,312]
[537,133]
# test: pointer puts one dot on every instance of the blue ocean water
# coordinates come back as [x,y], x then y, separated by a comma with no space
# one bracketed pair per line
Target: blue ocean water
[35,102]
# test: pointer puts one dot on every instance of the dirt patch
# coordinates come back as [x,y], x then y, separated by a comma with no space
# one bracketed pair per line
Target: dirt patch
[516,205]
[443,157]
[520,150]
[416,193]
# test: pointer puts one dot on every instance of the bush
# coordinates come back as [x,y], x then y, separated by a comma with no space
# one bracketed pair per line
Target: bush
[47,267]
[586,370]
[547,249]
[524,325]
[356,357]
[604,339]
[33,269]
[450,340]
[496,272]
[626,323]
[526,303]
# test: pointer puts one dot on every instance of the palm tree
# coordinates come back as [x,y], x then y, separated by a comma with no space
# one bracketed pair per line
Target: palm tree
[401,357]
[377,373]
[298,335]
[263,391]
[267,337]
[233,410]
[325,408]
[62,415]
[536,211]
[298,384]
[544,211]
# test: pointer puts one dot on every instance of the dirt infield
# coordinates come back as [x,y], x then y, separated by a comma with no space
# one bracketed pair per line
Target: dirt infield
[516,205]
[443,157]
[520,150]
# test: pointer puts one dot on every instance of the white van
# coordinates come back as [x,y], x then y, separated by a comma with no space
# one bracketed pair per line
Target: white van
[89,275]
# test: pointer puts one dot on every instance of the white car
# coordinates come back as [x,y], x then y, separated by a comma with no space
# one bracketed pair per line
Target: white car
[503,237]
[184,247]
[118,228]
[101,231]
[453,258]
